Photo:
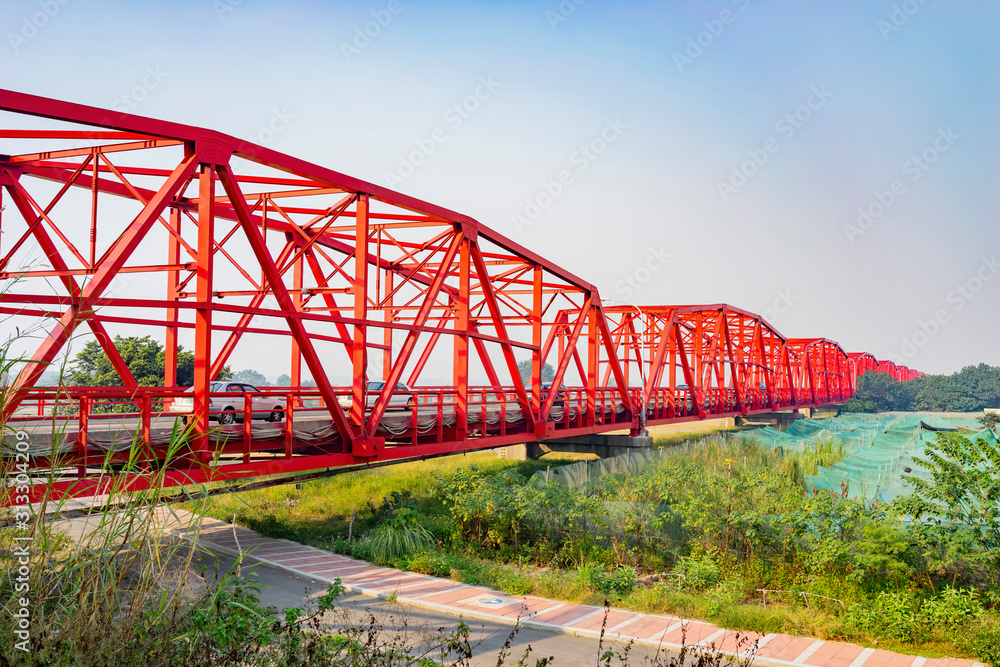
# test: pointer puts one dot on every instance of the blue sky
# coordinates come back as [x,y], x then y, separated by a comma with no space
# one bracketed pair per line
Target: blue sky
[679,96]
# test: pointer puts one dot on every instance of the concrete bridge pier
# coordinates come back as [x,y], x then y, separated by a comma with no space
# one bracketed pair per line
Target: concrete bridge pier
[604,446]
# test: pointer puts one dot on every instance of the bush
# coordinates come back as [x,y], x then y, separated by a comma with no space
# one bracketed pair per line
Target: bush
[514,582]
[432,563]
[505,511]
[700,572]
[953,609]
[394,539]
[896,615]
[983,641]
[726,594]
[618,582]
[904,616]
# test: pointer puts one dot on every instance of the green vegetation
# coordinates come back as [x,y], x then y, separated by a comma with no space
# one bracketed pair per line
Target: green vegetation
[250,376]
[989,420]
[144,357]
[972,389]
[524,370]
[726,532]
[322,509]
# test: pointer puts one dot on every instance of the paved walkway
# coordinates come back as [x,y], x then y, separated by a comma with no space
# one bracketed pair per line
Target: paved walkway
[481,603]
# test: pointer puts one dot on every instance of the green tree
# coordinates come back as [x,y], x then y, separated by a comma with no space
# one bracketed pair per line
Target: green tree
[970,390]
[877,392]
[91,367]
[250,376]
[524,370]
[989,420]
[284,380]
[962,497]
[144,357]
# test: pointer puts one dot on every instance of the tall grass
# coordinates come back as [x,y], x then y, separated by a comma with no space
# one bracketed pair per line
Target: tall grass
[394,539]
[94,586]
[727,450]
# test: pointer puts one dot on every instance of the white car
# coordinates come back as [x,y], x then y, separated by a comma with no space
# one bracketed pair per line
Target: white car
[227,403]
[402,398]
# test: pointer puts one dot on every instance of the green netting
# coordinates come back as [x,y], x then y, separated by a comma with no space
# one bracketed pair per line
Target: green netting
[658,521]
[585,474]
[880,450]
[875,470]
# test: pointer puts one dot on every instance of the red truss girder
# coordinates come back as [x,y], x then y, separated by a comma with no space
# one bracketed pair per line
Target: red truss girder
[348,279]
[822,370]
[898,372]
[703,361]
[861,363]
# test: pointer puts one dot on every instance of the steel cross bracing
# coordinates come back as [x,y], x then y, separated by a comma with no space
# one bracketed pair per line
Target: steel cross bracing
[185,234]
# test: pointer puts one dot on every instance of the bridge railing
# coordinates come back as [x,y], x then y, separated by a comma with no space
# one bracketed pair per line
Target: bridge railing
[88,427]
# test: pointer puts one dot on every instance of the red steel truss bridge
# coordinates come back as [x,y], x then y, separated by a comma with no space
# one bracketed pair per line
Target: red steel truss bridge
[194,237]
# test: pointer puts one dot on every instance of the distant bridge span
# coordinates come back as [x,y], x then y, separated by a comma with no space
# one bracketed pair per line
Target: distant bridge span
[193,236]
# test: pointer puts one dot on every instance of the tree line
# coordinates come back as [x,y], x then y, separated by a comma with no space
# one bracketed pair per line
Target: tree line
[972,389]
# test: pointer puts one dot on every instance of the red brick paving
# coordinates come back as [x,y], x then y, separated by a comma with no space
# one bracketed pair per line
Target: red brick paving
[729,642]
[455,595]
[882,658]
[690,633]
[436,587]
[648,627]
[527,606]
[333,569]
[615,616]
[563,615]
[834,654]
[784,647]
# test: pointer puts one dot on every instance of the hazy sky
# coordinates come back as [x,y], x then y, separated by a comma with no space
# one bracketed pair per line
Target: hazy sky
[730,143]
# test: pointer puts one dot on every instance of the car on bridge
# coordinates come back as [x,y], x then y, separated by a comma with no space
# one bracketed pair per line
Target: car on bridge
[560,399]
[227,403]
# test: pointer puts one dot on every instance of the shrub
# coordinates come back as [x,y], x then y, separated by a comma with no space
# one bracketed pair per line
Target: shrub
[504,511]
[700,572]
[395,538]
[983,641]
[432,563]
[953,609]
[726,594]
[962,495]
[619,582]
[514,582]
[890,614]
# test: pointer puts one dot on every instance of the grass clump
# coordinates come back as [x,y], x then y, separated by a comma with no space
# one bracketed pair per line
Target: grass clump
[397,537]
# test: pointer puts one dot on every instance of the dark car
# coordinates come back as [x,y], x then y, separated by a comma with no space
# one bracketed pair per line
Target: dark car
[560,400]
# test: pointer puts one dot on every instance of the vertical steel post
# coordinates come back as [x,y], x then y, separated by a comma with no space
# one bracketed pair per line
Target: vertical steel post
[173,280]
[390,317]
[460,363]
[81,436]
[247,425]
[359,350]
[203,314]
[93,208]
[536,341]
[297,299]
[592,368]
